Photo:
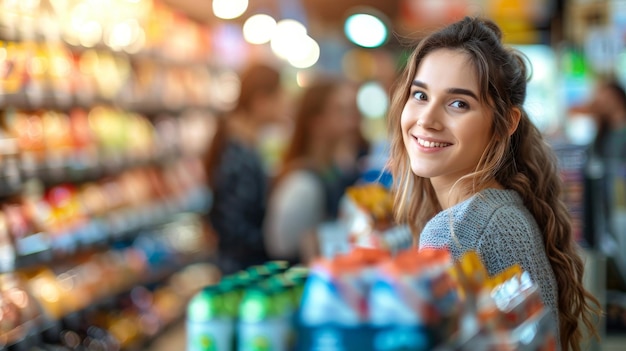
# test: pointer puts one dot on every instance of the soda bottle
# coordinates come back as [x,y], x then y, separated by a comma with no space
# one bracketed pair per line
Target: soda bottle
[261,325]
[209,328]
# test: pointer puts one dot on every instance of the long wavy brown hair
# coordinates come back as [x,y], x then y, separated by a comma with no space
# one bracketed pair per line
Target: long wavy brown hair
[522,161]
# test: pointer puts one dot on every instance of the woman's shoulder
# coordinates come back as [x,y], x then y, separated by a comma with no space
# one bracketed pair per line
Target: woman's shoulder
[485,205]
[502,209]
[298,180]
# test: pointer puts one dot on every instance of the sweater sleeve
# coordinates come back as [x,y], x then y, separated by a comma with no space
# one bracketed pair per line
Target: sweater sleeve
[296,205]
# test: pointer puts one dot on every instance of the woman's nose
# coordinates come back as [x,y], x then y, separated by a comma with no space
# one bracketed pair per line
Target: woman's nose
[429,117]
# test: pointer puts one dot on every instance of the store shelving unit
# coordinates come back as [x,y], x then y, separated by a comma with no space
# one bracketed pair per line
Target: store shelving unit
[102,187]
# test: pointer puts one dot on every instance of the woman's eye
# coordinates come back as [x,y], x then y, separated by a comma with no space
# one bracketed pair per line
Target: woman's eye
[419,95]
[460,104]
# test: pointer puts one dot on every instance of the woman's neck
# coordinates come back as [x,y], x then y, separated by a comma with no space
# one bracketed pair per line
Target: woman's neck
[453,193]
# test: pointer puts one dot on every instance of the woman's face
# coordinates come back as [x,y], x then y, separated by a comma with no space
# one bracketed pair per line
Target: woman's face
[445,128]
[340,116]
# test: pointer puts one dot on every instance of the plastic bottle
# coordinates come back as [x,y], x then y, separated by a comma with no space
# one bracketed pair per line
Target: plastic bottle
[208,326]
[261,326]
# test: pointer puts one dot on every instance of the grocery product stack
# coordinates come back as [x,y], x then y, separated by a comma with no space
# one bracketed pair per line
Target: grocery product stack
[253,309]
[372,296]
[369,299]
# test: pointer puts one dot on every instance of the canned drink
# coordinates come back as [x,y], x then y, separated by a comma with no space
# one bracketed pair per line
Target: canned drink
[209,328]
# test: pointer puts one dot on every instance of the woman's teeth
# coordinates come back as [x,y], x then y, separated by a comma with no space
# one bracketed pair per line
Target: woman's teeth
[426,143]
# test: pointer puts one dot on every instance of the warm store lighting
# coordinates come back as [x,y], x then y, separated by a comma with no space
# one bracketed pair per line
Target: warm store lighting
[304,53]
[91,34]
[288,33]
[229,9]
[366,30]
[372,100]
[259,29]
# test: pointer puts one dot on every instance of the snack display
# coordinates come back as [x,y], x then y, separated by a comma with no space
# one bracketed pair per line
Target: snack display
[420,300]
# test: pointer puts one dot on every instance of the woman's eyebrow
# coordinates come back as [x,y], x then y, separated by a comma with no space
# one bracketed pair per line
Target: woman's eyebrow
[460,91]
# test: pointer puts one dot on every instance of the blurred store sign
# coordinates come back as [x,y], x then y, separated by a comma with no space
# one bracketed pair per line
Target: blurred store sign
[602,48]
[518,19]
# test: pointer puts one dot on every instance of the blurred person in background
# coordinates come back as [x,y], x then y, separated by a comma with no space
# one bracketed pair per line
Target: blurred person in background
[607,152]
[236,172]
[605,175]
[309,184]
[608,110]
[352,150]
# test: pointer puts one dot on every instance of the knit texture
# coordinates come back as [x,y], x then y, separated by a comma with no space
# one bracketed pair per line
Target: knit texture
[496,224]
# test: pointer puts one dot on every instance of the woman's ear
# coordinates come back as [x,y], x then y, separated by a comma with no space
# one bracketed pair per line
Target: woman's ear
[516,115]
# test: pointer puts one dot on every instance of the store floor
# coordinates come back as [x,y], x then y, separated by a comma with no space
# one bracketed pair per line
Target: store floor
[174,340]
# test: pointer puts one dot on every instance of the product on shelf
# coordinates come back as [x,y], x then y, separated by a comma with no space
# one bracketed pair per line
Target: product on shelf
[10,176]
[7,249]
[58,141]
[28,129]
[19,311]
[208,325]
[249,310]
[83,141]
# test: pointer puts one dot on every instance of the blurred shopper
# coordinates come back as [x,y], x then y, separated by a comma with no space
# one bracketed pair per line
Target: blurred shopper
[236,172]
[607,153]
[472,172]
[352,150]
[608,109]
[309,184]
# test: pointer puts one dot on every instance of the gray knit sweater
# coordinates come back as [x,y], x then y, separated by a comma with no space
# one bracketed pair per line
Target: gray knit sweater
[502,230]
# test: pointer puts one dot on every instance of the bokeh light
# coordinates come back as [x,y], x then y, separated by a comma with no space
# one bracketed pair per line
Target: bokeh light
[259,29]
[372,100]
[366,30]
[288,33]
[304,53]
[229,9]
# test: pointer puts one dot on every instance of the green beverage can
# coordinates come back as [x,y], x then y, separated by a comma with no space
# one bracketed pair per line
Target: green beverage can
[209,328]
[261,326]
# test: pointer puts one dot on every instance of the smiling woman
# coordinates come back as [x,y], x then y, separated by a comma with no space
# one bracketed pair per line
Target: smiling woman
[445,127]
[473,173]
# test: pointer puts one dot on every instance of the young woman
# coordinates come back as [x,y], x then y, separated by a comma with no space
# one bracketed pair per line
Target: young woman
[472,172]
[309,184]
